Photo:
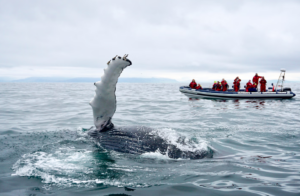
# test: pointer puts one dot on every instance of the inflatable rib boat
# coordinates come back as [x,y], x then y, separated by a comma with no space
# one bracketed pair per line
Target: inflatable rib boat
[209,93]
[279,92]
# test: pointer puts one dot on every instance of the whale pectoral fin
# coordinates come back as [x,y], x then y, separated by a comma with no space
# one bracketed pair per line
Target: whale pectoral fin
[104,101]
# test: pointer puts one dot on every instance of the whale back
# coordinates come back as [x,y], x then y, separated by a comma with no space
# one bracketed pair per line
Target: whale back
[139,140]
[104,101]
[133,140]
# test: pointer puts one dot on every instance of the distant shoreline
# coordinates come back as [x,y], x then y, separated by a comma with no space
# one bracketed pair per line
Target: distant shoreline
[121,80]
[88,80]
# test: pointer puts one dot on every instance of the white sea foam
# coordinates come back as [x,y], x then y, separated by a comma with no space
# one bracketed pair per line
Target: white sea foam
[155,155]
[68,166]
[182,141]
[65,161]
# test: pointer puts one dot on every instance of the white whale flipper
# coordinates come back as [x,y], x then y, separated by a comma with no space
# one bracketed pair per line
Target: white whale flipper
[104,101]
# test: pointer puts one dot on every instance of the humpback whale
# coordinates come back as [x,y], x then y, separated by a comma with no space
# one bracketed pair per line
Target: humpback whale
[134,139]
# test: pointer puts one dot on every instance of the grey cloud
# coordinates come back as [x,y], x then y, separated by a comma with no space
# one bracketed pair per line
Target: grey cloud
[223,36]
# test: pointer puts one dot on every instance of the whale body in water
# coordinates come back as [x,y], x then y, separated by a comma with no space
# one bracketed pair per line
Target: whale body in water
[134,139]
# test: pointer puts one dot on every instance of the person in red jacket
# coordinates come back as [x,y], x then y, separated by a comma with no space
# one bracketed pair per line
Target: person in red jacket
[249,85]
[214,87]
[254,85]
[256,78]
[224,85]
[237,84]
[263,83]
[218,86]
[193,84]
[199,87]
[234,83]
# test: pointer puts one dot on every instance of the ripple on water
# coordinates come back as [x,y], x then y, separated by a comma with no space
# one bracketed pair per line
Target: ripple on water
[255,143]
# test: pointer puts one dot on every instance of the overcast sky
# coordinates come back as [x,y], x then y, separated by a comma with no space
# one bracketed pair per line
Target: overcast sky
[205,40]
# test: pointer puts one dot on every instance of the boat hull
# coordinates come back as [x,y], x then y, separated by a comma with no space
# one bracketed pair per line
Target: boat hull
[208,93]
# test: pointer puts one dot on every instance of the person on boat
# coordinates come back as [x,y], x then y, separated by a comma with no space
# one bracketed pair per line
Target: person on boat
[263,83]
[256,78]
[224,85]
[214,87]
[199,87]
[193,84]
[218,86]
[237,84]
[254,85]
[234,83]
[249,85]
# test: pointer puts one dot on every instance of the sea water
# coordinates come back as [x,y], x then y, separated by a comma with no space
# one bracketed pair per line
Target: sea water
[45,149]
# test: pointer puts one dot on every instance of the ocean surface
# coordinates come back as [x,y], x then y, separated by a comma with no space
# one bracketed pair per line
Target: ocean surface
[45,149]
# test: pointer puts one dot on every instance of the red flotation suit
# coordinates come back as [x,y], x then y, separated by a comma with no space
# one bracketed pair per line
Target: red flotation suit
[237,84]
[224,85]
[199,87]
[193,84]
[234,84]
[248,85]
[263,83]
[218,87]
[214,87]
[254,85]
[256,78]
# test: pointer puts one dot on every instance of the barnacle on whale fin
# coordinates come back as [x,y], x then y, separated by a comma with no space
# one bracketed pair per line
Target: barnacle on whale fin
[125,56]
[114,57]
[104,101]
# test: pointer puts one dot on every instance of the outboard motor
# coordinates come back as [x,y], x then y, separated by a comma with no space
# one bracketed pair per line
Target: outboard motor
[286,89]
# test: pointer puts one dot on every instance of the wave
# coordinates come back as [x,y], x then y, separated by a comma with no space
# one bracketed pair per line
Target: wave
[77,161]
[184,142]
